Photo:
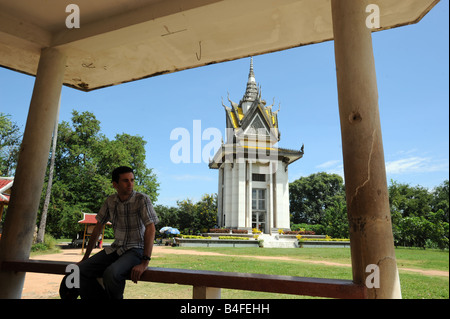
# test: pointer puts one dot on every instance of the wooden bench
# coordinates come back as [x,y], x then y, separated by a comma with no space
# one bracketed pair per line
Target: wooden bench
[207,284]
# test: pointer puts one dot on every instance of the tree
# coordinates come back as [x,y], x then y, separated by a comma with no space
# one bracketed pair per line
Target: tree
[10,140]
[409,201]
[205,213]
[189,217]
[310,196]
[84,160]
[439,235]
[336,221]
[413,231]
[186,213]
[440,199]
[168,216]
[134,155]
[43,222]
[76,162]
[419,217]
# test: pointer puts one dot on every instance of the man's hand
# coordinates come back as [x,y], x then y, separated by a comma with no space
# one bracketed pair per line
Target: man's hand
[149,237]
[138,270]
[92,241]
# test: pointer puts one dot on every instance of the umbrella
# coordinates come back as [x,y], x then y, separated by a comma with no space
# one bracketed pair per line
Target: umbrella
[173,231]
[164,229]
[169,230]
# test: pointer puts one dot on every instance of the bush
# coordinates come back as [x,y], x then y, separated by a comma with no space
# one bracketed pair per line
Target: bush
[193,237]
[38,247]
[49,241]
[239,231]
[317,229]
[326,239]
[48,244]
[300,232]
[422,232]
[219,230]
[233,238]
[109,233]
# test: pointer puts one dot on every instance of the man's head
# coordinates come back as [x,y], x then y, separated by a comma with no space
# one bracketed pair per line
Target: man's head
[123,181]
[120,170]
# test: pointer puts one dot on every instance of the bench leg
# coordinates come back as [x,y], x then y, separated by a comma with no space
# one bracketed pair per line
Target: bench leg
[206,293]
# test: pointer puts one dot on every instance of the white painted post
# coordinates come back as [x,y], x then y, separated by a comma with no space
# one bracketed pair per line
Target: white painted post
[364,168]
[20,220]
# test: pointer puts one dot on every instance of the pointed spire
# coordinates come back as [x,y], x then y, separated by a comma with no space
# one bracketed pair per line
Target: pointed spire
[251,92]
[251,74]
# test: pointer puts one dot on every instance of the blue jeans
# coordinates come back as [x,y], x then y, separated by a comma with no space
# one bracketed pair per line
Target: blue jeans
[114,270]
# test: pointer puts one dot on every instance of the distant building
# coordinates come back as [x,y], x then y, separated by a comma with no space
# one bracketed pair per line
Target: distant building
[5,193]
[253,172]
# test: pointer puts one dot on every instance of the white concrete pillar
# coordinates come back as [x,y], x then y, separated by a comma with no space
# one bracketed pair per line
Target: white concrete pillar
[20,221]
[227,196]
[364,168]
[249,195]
[220,198]
[241,183]
[234,197]
[282,184]
[276,199]
[270,208]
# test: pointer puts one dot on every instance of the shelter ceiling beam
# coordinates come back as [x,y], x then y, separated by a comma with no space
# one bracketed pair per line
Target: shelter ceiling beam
[15,31]
[139,21]
[125,40]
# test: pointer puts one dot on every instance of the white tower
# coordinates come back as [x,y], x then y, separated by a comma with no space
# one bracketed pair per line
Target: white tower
[253,172]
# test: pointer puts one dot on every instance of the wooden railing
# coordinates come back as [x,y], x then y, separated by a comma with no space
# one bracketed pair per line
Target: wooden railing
[207,284]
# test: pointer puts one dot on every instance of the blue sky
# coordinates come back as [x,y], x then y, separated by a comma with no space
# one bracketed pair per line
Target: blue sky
[412,65]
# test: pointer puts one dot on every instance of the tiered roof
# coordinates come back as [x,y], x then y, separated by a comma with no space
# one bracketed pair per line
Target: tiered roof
[5,186]
[251,113]
[252,128]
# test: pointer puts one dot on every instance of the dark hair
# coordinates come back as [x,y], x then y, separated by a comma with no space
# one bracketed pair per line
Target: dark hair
[120,170]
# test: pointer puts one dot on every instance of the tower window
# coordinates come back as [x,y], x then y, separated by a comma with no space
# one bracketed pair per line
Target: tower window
[258,177]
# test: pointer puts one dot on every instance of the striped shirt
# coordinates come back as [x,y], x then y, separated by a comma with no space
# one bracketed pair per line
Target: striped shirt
[128,220]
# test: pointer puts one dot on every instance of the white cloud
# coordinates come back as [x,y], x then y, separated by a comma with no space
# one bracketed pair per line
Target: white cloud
[406,165]
[328,164]
[332,167]
[415,164]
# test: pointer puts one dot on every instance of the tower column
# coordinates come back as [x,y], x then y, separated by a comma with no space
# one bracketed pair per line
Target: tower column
[270,206]
[226,213]
[249,195]
[240,166]
[220,198]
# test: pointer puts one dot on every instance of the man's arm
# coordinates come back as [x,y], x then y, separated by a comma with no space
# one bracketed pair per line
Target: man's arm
[92,240]
[149,237]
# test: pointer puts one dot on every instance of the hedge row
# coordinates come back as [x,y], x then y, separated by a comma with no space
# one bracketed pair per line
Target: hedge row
[227,231]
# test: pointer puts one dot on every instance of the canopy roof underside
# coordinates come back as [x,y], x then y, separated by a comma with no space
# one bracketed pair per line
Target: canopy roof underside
[124,40]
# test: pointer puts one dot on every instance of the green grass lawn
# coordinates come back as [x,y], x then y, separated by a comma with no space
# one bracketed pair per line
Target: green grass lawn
[413,285]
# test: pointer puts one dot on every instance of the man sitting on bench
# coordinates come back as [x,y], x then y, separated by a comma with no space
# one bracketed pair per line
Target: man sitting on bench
[133,220]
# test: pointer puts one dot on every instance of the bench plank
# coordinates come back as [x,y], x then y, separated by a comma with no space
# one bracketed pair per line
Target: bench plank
[318,287]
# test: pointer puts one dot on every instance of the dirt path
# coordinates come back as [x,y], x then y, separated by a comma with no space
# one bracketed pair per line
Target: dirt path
[43,286]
